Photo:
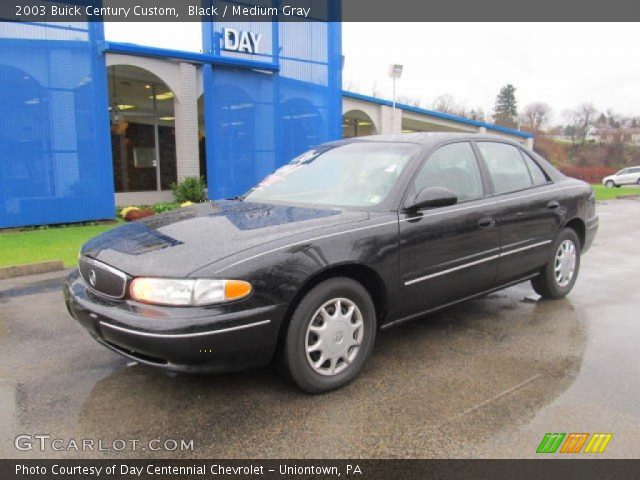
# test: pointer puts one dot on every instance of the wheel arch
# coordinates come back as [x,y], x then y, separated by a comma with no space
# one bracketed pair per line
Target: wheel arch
[578,226]
[363,274]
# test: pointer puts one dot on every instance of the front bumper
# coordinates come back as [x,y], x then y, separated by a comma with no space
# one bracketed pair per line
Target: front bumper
[181,339]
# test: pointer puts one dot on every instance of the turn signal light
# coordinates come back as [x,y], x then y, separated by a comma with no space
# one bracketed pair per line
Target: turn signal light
[235,289]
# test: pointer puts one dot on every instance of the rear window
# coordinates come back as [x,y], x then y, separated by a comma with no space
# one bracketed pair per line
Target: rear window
[506,166]
[537,174]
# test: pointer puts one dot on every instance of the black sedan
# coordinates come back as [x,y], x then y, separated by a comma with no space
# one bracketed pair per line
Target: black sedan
[349,238]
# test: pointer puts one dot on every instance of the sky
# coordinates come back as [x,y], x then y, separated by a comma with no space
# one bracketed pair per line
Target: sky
[562,64]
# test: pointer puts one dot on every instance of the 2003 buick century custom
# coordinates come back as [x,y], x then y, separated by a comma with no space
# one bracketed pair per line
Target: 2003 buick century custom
[348,238]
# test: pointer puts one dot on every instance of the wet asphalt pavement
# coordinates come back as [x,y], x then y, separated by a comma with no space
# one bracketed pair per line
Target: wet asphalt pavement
[487,378]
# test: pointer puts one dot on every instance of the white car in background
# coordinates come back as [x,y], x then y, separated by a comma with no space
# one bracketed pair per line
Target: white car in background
[626,176]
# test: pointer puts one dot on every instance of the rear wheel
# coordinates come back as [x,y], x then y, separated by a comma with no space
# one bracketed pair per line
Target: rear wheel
[330,336]
[559,276]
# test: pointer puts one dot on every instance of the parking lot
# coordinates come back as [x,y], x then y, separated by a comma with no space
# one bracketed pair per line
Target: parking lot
[487,378]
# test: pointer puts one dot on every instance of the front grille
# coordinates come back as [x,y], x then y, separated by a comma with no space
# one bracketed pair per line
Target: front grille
[102,278]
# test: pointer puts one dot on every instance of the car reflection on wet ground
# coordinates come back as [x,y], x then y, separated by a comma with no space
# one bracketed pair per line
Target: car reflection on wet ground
[486,378]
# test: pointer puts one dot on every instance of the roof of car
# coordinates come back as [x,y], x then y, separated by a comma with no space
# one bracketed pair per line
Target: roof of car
[428,138]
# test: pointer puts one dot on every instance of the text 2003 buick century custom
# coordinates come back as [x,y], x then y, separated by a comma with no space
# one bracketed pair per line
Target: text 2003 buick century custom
[348,238]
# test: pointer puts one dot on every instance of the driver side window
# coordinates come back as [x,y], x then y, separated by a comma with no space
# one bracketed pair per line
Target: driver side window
[453,166]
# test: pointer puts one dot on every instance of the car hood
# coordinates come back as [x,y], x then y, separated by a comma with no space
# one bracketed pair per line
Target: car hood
[177,243]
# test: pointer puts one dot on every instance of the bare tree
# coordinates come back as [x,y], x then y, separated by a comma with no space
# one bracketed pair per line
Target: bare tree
[535,116]
[445,104]
[580,121]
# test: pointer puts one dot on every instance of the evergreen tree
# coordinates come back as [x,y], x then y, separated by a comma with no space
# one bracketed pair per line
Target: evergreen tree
[505,110]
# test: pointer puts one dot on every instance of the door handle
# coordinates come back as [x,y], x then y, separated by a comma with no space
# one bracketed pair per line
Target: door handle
[553,204]
[487,222]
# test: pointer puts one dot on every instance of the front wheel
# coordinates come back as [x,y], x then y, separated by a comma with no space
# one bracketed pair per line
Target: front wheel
[330,336]
[609,184]
[559,276]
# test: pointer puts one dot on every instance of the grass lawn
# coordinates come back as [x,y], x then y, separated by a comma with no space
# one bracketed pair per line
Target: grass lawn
[50,244]
[604,193]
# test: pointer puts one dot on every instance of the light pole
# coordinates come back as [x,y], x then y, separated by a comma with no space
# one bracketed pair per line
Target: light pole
[395,72]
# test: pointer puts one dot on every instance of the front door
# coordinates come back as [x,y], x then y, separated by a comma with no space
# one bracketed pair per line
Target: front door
[448,253]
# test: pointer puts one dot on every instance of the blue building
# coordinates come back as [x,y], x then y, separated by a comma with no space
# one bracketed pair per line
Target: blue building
[87,124]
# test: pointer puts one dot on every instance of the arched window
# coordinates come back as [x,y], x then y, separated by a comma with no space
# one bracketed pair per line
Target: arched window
[26,166]
[356,123]
[143,144]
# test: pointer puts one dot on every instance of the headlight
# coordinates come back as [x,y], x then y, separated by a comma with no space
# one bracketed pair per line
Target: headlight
[170,291]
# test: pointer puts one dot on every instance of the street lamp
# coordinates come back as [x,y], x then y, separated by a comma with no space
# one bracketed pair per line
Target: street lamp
[395,71]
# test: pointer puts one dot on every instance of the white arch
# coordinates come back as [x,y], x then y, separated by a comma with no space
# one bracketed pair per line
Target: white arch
[372,110]
[168,72]
[362,123]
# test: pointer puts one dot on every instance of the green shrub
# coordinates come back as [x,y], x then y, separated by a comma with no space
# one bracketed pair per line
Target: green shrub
[190,189]
[165,207]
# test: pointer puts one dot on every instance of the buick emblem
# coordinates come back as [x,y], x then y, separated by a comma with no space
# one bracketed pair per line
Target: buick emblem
[92,278]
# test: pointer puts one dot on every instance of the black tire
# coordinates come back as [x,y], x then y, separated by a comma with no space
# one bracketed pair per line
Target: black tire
[609,184]
[294,362]
[546,284]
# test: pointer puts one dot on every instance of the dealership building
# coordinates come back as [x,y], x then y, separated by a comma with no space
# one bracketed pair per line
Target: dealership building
[87,124]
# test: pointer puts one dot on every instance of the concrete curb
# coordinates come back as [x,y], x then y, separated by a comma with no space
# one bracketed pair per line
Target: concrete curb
[31,269]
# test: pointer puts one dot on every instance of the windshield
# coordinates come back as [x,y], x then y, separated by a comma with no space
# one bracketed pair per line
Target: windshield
[353,175]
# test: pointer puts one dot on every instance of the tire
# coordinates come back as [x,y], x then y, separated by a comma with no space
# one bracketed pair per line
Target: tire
[548,284]
[311,325]
[609,184]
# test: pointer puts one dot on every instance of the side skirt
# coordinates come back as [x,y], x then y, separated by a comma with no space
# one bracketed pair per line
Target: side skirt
[441,307]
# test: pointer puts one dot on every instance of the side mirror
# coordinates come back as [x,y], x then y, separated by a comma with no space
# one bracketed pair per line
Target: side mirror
[432,197]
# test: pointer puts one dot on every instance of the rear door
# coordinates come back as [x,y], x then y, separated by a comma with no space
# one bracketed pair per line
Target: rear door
[529,210]
[634,176]
[448,253]
[624,177]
